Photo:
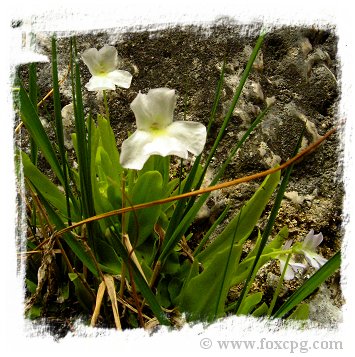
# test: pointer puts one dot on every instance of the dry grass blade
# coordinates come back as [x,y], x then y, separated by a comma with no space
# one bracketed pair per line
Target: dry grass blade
[112,294]
[99,297]
[131,252]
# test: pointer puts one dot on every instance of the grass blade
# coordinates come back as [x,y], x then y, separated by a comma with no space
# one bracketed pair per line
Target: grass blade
[59,126]
[33,94]
[268,228]
[232,106]
[34,126]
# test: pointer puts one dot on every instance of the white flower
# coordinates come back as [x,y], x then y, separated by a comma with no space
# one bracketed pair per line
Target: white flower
[292,266]
[157,134]
[308,248]
[68,115]
[103,65]
[68,120]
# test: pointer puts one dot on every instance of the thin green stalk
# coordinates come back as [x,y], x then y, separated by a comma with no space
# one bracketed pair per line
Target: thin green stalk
[32,89]
[210,231]
[268,228]
[180,207]
[106,106]
[59,126]
[226,279]
[33,94]
[83,145]
[228,116]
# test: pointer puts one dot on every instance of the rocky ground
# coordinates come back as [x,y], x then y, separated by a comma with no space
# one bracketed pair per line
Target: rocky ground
[297,68]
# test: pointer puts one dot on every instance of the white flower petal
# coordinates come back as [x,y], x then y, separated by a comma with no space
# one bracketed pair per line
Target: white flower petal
[296,266]
[103,67]
[132,152]
[91,59]
[155,109]
[142,144]
[108,58]
[289,274]
[157,134]
[97,83]
[291,269]
[315,260]
[165,145]
[312,241]
[120,78]
[190,134]
[320,260]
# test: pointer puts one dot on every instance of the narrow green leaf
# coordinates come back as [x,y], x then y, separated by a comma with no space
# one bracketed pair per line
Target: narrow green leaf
[85,299]
[59,127]
[47,188]
[268,228]
[33,95]
[34,126]
[237,94]
[74,244]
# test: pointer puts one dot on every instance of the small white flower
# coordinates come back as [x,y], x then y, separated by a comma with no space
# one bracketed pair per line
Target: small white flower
[292,267]
[308,248]
[103,65]
[68,115]
[156,132]
[68,123]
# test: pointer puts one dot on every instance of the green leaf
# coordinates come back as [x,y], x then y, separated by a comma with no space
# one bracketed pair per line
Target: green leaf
[113,168]
[141,223]
[34,312]
[174,288]
[301,313]
[329,268]
[107,257]
[163,295]
[246,219]
[31,286]
[204,295]
[261,310]
[270,223]
[59,126]
[249,303]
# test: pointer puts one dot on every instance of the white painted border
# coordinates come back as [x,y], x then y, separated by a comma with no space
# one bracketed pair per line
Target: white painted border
[66,15]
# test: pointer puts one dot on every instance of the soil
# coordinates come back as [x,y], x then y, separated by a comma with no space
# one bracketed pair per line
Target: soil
[297,68]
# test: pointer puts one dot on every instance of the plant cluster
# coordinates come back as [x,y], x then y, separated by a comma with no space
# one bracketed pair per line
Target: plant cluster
[119,221]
